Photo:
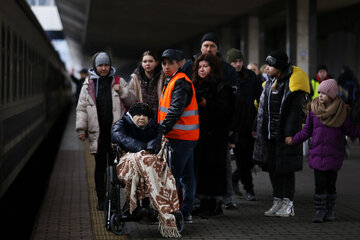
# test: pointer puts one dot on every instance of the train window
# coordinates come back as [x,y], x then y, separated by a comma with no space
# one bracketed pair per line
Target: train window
[21,60]
[25,70]
[30,79]
[2,66]
[14,81]
[8,65]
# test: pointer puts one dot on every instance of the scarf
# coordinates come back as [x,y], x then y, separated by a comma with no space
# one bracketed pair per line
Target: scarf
[332,115]
[148,175]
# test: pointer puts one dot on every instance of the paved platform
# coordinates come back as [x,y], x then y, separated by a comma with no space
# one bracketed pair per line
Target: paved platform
[68,211]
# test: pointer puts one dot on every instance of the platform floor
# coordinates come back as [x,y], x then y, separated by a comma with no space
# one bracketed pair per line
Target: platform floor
[68,210]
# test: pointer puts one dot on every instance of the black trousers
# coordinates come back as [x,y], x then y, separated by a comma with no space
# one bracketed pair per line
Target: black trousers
[104,150]
[283,183]
[325,181]
[244,163]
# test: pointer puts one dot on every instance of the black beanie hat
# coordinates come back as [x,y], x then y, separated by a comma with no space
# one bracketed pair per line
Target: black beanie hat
[141,108]
[278,59]
[210,36]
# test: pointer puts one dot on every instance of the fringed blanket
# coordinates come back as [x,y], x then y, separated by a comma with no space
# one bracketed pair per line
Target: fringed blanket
[148,175]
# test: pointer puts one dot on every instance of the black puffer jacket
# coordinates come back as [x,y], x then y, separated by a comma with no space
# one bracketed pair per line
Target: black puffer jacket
[180,99]
[132,138]
[286,117]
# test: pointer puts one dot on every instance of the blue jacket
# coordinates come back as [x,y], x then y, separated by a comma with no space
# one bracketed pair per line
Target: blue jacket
[131,138]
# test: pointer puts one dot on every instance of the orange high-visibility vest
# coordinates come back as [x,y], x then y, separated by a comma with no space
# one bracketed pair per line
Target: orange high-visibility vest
[187,126]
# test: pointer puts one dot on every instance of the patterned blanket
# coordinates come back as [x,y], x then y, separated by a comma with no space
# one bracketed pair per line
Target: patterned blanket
[148,175]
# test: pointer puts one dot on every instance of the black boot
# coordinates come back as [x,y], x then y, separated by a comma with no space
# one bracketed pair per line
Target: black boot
[203,207]
[320,208]
[330,202]
[214,209]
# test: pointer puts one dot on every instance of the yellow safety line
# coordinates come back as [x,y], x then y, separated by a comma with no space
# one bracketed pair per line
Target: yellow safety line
[97,217]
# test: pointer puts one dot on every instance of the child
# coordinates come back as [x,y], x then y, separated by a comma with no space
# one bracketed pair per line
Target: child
[326,124]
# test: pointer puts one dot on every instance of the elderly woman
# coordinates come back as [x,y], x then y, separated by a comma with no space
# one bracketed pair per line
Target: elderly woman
[144,168]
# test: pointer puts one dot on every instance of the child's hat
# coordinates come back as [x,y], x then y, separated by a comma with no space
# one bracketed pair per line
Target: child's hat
[141,108]
[329,87]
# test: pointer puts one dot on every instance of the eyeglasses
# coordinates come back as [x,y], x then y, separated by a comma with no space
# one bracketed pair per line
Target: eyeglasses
[270,61]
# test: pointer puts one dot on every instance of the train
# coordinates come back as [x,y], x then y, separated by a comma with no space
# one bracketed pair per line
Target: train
[35,88]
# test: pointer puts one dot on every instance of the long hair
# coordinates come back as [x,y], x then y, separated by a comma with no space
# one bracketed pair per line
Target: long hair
[149,53]
[215,65]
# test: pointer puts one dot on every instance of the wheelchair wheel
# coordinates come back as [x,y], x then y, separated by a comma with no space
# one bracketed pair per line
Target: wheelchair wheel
[179,221]
[116,225]
[108,199]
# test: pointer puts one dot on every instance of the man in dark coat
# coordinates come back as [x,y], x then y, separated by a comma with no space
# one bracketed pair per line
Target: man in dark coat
[280,115]
[210,44]
[249,90]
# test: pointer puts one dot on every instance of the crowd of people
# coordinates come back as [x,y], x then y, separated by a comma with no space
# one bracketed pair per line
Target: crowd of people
[207,107]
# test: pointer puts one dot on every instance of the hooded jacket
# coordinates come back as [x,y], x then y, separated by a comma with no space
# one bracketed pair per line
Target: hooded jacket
[282,117]
[86,110]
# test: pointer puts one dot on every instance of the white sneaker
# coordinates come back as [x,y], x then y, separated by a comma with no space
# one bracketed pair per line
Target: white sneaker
[287,208]
[277,203]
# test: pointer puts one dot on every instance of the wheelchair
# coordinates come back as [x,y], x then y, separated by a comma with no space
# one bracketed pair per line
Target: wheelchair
[117,211]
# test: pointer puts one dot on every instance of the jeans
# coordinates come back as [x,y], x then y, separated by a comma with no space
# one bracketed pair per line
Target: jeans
[181,164]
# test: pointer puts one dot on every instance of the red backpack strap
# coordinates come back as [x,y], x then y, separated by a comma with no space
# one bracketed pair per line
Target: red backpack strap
[117,80]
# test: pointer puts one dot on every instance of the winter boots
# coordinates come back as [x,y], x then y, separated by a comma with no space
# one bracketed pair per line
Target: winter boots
[330,202]
[324,207]
[320,208]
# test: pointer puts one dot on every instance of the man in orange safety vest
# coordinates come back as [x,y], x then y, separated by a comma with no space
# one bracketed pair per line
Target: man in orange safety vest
[179,117]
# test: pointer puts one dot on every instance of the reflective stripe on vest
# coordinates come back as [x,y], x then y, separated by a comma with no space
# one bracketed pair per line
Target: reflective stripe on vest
[187,126]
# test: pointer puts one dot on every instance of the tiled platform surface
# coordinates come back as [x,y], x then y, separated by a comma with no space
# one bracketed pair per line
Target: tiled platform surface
[68,211]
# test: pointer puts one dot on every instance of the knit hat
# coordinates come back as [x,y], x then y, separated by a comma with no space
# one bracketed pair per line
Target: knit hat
[210,36]
[278,59]
[329,87]
[141,108]
[101,58]
[233,54]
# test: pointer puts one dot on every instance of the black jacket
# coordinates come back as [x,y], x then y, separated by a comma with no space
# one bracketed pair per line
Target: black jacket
[132,138]
[250,90]
[180,98]
[286,114]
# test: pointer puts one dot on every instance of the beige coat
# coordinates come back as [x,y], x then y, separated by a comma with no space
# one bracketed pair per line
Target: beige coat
[86,112]
[135,84]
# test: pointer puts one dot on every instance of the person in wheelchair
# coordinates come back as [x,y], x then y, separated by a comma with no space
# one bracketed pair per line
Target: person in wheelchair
[143,168]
